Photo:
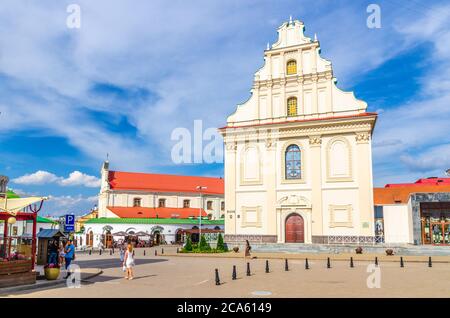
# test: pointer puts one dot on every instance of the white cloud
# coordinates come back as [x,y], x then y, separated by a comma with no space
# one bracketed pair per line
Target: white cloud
[196,60]
[65,204]
[76,178]
[37,178]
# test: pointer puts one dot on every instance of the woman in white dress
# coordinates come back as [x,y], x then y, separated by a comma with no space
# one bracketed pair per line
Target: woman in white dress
[128,262]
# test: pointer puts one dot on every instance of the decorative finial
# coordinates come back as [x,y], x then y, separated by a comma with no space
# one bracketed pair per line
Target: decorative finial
[290,19]
[268,46]
[315,37]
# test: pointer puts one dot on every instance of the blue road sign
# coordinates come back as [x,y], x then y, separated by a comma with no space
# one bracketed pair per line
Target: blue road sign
[69,225]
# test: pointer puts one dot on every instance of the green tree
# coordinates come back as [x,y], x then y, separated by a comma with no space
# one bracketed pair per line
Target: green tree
[204,246]
[220,244]
[188,245]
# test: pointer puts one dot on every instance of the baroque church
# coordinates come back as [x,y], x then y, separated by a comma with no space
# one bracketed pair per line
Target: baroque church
[298,162]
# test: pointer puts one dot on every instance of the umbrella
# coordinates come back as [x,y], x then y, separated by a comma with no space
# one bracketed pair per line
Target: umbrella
[121,233]
[141,233]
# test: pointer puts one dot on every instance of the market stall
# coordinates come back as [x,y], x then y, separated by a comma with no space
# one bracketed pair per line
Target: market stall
[18,239]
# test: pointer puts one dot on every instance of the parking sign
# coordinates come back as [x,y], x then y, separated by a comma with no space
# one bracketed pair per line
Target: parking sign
[69,225]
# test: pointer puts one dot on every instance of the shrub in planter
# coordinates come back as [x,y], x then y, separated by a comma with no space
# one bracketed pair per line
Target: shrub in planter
[389,251]
[359,250]
[236,249]
[188,245]
[51,271]
[204,246]
[220,244]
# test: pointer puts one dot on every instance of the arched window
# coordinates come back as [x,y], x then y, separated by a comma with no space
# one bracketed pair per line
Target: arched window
[293,162]
[292,106]
[291,67]
[137,202]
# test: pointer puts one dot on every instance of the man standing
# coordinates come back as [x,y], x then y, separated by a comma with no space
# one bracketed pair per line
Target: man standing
[70,255]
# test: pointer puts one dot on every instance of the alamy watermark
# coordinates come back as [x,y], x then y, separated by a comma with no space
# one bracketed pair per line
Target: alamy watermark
[374,279]
[74,278]
[374,18]
[73,20]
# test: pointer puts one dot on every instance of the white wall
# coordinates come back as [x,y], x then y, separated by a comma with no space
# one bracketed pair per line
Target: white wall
[169,230]
[397,224]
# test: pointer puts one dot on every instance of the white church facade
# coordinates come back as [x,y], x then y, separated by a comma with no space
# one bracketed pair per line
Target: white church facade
[298,162]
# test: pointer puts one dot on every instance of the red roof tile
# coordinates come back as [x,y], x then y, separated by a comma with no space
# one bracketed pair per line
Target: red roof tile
[151,182]
[163,213]
[422,182]
[401,194]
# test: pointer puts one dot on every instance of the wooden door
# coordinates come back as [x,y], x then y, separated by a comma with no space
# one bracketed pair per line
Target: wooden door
[295,229]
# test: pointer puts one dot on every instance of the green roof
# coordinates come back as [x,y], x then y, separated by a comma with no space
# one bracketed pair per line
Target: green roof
[152,221]
[41,219]
[10,194]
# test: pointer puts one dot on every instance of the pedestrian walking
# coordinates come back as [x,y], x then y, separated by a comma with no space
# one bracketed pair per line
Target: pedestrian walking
[247,249]
[62,254]
[128,262]
[122,253]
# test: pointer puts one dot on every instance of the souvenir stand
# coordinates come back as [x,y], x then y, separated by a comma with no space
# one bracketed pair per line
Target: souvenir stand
[18,239]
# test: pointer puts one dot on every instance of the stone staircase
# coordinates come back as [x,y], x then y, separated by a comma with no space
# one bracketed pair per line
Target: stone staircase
[338,249]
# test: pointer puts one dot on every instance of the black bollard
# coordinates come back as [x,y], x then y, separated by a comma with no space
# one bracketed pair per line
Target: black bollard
[248,269]
[100,252]
[286,266]
[429,262]
[113,250]
[110,252]
[233,276]
[90,252]
[267,266]
[376,261]
[306,264]
[144,252]
[162,251]
[328,263]
[217,277]
[156,253]
[351,262]
[177,250]
[401,262]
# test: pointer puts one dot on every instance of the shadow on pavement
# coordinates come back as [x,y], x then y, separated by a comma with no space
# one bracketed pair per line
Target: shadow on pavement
[113,262]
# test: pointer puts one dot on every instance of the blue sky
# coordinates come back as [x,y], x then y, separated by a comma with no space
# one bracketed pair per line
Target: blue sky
[132,73]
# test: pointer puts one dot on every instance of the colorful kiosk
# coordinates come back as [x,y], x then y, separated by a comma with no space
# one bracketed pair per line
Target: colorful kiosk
[18,238]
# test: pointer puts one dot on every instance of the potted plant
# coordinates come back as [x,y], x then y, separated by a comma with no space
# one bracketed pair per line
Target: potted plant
[389,251]
[51,271]
[236,249]
[359,250]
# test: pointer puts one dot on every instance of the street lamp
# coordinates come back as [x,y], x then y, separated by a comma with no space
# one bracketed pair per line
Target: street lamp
[200,188]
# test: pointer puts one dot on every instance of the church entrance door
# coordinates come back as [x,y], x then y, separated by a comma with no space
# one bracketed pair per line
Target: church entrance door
[295,229]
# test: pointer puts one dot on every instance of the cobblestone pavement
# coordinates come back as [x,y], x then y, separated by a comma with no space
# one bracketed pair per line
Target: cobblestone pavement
[174,276]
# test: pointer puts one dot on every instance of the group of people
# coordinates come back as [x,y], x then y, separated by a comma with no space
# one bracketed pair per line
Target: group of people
[62,254]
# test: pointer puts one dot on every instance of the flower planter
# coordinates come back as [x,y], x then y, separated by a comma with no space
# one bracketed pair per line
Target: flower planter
[359,250]
[389,252]
[52,273]
[236,249]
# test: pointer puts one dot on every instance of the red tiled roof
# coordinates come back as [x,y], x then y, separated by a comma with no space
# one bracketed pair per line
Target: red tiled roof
[422,182]
[163,213]
[401,194]
[151,182]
